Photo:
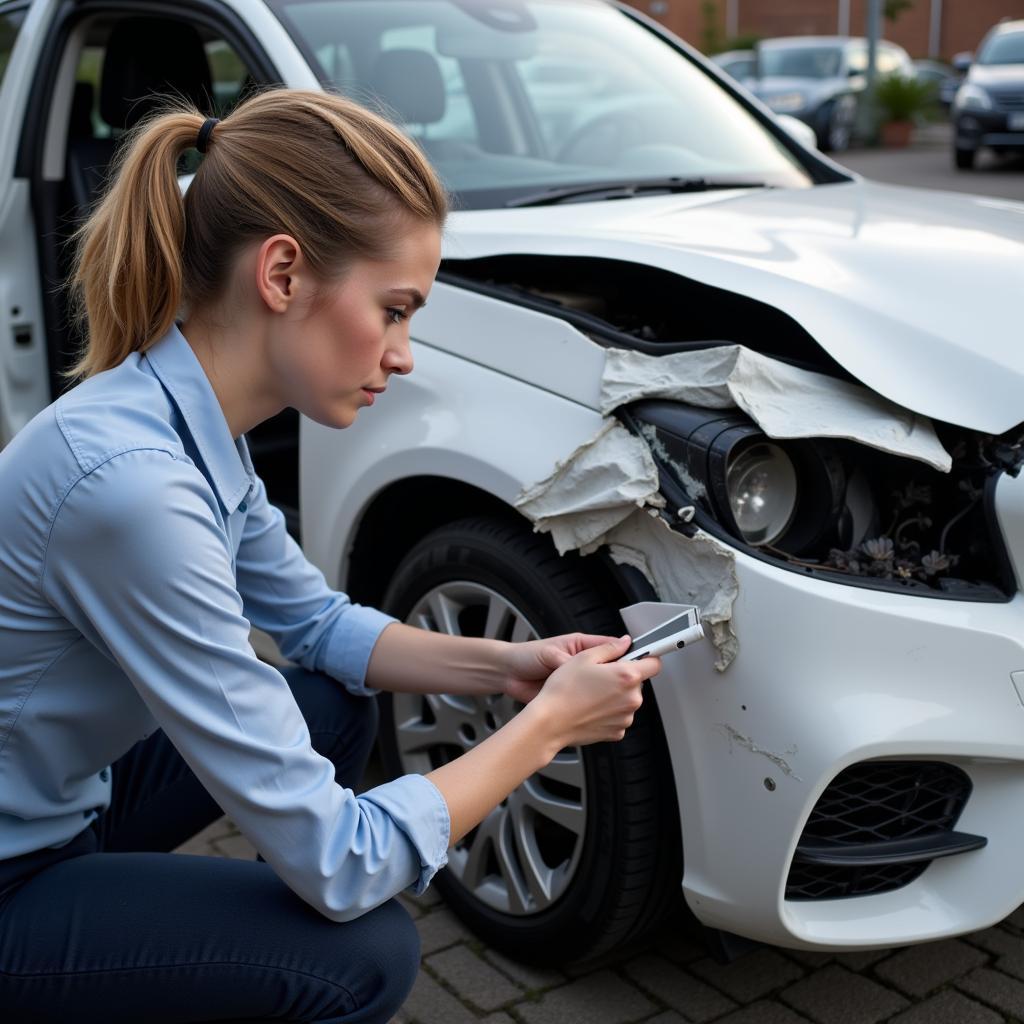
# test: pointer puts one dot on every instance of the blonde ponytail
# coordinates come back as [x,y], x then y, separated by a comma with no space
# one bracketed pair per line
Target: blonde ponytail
[127,274]
[340,179]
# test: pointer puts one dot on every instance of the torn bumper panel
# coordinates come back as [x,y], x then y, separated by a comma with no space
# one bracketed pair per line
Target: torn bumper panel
[830,676]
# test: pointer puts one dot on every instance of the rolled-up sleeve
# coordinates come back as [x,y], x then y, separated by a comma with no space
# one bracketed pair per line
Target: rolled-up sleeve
[138,561]
[287,597]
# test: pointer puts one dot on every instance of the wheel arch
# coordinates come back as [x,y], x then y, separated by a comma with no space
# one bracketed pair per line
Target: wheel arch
[387,532]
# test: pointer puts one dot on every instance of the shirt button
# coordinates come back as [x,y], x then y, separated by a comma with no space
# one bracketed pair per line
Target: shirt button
[243,507]
[105,775]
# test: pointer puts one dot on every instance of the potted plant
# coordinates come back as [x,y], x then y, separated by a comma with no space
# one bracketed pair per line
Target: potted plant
[900,99]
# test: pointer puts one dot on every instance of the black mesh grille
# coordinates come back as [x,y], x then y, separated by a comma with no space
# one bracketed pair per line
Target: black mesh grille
[872,802]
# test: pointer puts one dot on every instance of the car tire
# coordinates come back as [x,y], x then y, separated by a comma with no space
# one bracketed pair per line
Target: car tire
[616,871]
[835,124]
[964,158]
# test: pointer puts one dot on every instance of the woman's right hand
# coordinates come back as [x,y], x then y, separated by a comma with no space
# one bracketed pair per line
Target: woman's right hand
[592,698]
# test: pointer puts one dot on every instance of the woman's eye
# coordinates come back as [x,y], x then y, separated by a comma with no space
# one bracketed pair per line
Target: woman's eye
[396,316]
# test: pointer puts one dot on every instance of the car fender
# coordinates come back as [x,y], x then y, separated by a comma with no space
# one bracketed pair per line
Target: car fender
[452,418]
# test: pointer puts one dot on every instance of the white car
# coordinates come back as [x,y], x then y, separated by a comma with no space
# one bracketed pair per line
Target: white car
[668,336]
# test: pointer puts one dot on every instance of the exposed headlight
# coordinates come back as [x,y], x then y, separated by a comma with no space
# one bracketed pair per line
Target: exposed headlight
[787,102]
[761,484]
[972,97]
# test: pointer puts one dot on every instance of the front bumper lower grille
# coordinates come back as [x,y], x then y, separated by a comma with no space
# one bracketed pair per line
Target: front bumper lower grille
[877,826]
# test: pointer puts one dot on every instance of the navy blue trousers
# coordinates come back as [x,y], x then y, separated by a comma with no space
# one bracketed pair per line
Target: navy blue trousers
[113,928]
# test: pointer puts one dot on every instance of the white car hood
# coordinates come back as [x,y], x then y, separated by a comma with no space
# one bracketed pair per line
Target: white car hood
[918,294]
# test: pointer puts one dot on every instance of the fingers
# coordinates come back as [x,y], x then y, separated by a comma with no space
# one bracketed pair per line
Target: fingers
[585,641]
[609,650]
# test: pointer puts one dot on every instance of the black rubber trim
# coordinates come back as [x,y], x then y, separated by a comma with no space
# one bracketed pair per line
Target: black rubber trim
[676,498]
[890,851]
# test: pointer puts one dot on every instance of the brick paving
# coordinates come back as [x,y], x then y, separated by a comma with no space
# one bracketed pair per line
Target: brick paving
[976,979]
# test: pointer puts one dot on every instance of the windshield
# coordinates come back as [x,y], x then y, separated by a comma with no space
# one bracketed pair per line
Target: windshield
[512,97]
[1005,48]
[800,61]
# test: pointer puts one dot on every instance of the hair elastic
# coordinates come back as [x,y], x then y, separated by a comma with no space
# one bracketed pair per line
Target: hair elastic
[203,139]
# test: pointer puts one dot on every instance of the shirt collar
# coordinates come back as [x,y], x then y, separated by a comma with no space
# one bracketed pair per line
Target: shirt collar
[227,460]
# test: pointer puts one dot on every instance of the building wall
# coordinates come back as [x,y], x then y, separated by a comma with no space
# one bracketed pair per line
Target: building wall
[963,22]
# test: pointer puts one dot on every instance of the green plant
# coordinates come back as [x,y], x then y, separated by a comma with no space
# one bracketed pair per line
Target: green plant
[744,41]
[900,97]
[894,8]
[710,29]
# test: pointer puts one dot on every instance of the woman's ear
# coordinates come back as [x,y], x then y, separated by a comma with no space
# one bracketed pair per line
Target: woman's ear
[280,272]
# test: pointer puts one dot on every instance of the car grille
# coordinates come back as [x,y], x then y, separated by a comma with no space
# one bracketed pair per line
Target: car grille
[1009,100]
[873,806]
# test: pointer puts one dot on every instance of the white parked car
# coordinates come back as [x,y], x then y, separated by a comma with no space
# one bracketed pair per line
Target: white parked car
[706,363]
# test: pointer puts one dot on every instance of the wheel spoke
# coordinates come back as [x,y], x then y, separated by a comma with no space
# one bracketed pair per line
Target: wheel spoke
[518,890]
[536,874]
[445,613]
[522,630]
[567,813]
[566,768]
[498,613]
[474,870]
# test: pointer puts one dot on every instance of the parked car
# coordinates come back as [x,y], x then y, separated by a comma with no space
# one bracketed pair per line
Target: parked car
[739,64]
[945,78]
[815,384]
[818,79]
[988,109]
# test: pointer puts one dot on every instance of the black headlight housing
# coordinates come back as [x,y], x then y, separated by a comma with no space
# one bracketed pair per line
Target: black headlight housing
[850,513]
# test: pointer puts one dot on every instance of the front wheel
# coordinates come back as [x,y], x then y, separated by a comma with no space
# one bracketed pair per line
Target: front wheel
[964,158]
[585,855]
[835,129]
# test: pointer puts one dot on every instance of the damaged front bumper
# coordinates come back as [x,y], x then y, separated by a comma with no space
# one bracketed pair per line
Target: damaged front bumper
[829,677]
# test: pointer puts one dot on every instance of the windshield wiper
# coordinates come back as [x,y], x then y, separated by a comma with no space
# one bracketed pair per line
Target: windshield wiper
[628,189]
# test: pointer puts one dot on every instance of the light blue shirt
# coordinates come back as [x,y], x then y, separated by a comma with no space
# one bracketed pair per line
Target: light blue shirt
[137,547]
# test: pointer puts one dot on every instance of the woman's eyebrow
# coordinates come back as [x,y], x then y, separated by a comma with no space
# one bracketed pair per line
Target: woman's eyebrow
[413,294]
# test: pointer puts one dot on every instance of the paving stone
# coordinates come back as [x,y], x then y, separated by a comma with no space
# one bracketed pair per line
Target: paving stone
[922,969]
[439,929]
[996,989]
[427,899]
[948,1007]
[601,996]
[498,1018]
[862,959]
[199,844]
[751,976]
[532,978]
[429,1003]
[473,978]
[678,948]
[411,907]
[763,1013]
[679,990]
[1007,947]
[1016,919]
[668,1017]
[810,958]
[235,847]
[834,995]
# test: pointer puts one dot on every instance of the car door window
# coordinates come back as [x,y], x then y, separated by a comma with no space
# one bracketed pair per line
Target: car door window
[10,23]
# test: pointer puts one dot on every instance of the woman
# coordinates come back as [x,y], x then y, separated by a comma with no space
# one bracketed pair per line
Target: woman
[137,547]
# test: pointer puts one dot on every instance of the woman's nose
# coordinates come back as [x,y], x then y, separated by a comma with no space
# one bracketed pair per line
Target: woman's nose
[399,359]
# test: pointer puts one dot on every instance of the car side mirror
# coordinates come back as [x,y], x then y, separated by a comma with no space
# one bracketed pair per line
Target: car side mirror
[962,61]
[799,130]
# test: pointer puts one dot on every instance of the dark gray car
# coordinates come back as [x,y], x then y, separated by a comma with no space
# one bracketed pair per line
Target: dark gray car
[988,109]
[819,78]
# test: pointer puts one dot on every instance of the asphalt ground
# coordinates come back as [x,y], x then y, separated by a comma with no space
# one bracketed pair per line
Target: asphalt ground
[928,163]
[975,979]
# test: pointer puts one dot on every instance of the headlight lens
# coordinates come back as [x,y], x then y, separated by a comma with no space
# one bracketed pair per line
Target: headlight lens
[972,97]
[787,102]
[761,484]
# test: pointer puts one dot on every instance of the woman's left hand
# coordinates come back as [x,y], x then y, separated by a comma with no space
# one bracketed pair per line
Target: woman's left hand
[532,661]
